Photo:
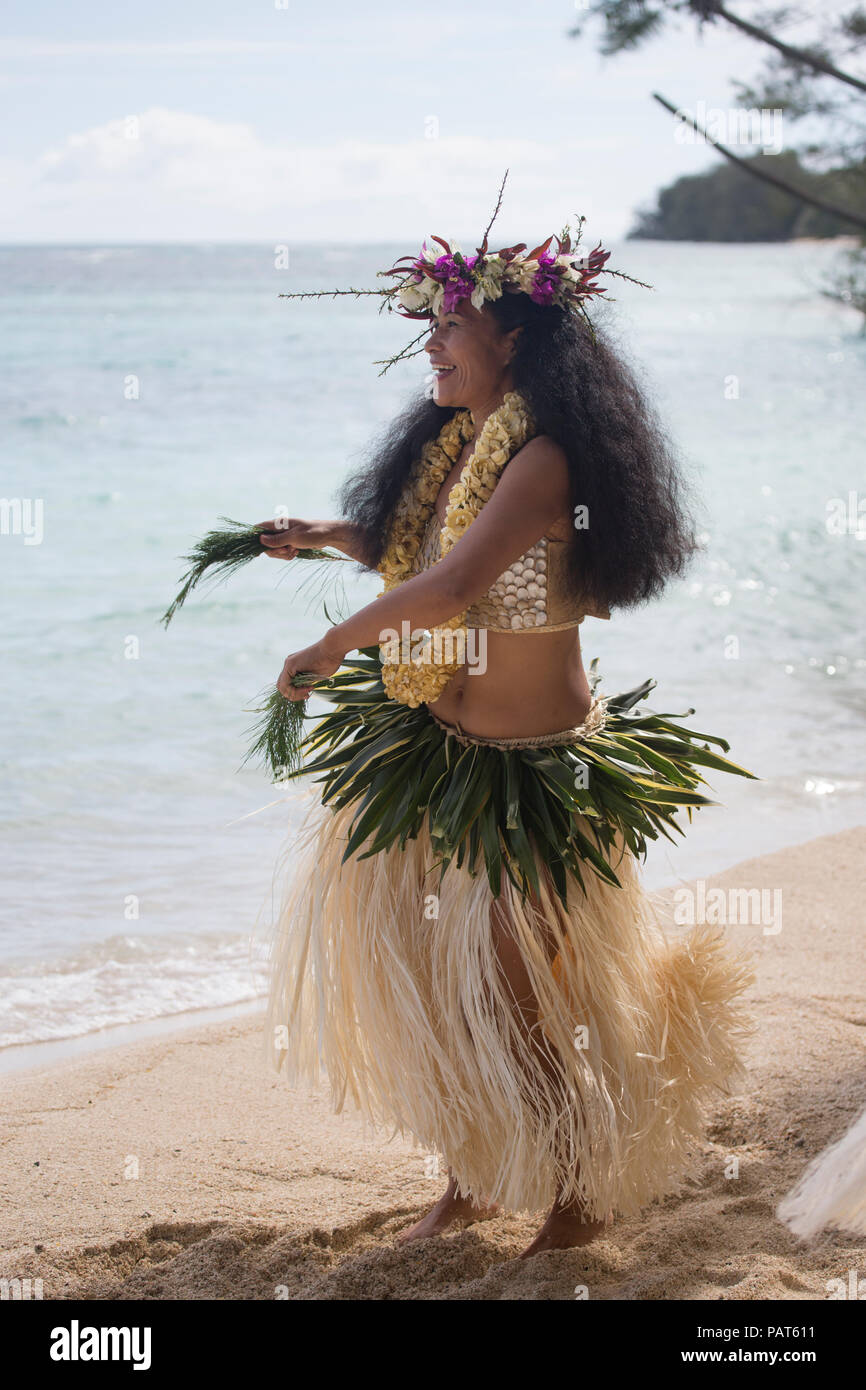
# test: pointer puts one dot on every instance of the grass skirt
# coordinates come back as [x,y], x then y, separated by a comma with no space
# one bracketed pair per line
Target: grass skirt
[385,978]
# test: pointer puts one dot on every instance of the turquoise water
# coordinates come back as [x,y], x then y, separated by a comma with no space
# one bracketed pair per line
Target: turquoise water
[138,878]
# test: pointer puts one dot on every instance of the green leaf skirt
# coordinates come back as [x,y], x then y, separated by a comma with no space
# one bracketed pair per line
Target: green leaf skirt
[485,805]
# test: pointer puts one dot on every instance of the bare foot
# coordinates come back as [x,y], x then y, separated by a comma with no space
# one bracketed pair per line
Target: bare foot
[448,1209]
[564,1229]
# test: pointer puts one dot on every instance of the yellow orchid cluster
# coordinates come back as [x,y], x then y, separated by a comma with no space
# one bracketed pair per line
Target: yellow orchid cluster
[422,679]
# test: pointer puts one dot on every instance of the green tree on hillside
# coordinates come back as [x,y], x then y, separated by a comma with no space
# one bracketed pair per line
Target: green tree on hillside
[727,204]
[807,75]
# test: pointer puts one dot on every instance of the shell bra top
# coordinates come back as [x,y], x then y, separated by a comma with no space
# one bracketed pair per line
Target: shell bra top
[532,595]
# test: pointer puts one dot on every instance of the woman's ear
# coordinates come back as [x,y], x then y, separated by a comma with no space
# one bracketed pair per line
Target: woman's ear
[512,335]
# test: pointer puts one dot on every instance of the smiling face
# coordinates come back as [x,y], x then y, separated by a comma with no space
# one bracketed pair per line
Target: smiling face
[469,355]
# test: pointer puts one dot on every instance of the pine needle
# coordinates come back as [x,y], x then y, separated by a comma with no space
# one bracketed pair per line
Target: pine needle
[223,552]
[279,733]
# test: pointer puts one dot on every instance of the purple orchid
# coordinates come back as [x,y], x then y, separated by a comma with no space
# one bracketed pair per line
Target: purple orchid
[545,280]
[456,279]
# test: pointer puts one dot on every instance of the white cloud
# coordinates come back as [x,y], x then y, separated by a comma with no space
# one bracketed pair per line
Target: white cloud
[174,175]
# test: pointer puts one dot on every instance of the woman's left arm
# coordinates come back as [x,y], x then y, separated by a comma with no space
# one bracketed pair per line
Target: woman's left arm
[531,495]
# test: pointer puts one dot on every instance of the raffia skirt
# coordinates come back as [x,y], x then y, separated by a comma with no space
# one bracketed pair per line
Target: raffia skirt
[386,980]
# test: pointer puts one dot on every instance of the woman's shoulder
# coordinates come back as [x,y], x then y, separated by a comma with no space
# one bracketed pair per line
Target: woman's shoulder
[543,464]
[542,461]
[542,447]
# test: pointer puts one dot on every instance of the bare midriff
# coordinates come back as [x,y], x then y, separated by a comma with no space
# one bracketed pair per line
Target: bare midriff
[523,684]
[516,684]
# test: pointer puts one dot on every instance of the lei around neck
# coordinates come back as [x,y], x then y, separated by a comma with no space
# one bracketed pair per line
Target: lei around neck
[421,674]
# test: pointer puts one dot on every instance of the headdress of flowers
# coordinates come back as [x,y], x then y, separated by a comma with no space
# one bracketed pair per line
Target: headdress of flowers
[440,277]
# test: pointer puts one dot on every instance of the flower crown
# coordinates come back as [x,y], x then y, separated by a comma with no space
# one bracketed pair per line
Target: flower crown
[440,280]
[441,277]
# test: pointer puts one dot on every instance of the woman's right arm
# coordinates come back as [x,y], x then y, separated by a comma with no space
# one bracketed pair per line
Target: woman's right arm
[285,536]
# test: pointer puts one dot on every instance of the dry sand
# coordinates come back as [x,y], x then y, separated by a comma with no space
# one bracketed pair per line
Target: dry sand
[246,1190]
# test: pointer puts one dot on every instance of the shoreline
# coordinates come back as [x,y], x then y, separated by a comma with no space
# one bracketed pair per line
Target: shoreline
[180,1166]
[701,849]
[29,1057]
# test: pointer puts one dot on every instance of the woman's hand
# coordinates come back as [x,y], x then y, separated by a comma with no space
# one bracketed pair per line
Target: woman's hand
[286,535]
[320,659]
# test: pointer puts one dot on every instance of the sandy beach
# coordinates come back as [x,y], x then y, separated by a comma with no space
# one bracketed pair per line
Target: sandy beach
[181,1168]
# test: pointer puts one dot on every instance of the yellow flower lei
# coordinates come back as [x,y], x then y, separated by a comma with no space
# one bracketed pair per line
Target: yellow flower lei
[505,431]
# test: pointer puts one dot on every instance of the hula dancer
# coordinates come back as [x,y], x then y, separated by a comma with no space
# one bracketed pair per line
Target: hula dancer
[465,947]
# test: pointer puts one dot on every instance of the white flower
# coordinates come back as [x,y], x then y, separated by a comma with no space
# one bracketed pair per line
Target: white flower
[490,280]
[417,296]
[521,273]
[574,266]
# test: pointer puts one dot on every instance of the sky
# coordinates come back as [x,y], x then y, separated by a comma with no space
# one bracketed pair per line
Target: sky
[283,120]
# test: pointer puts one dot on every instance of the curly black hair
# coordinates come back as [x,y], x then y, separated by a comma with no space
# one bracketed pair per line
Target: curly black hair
[583,396]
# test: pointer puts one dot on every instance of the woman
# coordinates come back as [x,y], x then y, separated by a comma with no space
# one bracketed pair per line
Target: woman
[533,1026]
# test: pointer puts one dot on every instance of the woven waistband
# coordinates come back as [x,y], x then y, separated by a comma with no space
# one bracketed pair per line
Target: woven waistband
[592,724]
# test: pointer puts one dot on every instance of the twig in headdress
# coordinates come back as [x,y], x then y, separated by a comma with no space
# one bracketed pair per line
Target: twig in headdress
[327,294]
[403,354]
[581,313]
[482,249]
[620,275]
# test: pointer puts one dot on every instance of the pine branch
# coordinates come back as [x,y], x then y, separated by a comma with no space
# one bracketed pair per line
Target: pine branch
[801,56]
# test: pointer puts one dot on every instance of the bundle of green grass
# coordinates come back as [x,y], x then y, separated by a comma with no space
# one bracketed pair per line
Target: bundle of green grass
[223,552]
[219,554]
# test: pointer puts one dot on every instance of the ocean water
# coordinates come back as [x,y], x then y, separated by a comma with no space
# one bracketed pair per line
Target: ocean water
[146,391]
